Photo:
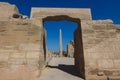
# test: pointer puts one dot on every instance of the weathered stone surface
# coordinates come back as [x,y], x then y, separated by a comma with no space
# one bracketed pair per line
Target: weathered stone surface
[4,57]
[7,11]
[114,78]
[31,56]
[105,64]
[100,73]
[70,49]
[28,47]
[84,14]
[95,77]
[23,43]
[117,63]
[100,46]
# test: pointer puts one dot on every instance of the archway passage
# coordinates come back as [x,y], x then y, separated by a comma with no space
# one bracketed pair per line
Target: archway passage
[77,40]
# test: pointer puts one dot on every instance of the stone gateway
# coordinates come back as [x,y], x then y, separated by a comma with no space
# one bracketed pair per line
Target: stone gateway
[23,51]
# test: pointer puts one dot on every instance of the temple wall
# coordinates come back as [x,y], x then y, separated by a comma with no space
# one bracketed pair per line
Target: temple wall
[7,11]
[21,50]
[101,48]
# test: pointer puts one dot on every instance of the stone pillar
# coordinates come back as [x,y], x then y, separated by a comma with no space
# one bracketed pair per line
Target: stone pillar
[60,51]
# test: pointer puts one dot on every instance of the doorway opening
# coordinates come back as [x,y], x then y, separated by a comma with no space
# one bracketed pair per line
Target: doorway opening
[53,25]
[53,43]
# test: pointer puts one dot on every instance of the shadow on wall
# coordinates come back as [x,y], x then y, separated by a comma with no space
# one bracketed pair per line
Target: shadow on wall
[67,68]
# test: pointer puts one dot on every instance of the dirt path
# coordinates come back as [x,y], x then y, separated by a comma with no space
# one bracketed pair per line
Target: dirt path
[60,69]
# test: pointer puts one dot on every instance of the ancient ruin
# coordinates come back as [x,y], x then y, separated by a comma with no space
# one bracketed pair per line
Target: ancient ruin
[23,51]
[21,45]
[70,49]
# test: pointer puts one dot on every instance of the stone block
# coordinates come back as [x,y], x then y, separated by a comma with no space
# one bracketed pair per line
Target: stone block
[105,63]
[83,14]
[109,55]
[32,67]
[33,61]
[4,57]
[7,50]
[95,77]
[91,62]
[33,55]
[117,64]
[29,47]
[113,77]
[15,67]
[117,54]
[93,55]
[3,64]
[16,61]
[18,55]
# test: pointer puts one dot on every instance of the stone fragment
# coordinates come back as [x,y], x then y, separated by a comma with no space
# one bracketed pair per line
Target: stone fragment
[100,73]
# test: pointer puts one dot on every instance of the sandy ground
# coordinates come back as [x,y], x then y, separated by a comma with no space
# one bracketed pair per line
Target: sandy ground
[60,69]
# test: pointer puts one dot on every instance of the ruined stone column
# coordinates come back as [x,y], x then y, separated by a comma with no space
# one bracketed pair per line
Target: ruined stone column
[60,51]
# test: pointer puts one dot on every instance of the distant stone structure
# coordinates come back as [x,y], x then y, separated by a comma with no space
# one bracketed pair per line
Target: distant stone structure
[23,51]
[70,49]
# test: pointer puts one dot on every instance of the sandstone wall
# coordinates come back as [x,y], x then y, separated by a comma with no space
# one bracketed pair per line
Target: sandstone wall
[7,10]
[21,50]
[101,47]
[81,13]
[96,42]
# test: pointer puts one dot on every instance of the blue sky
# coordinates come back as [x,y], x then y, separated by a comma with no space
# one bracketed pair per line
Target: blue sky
[101,9]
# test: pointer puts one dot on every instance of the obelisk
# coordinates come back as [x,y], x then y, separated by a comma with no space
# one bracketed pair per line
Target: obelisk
[60,50]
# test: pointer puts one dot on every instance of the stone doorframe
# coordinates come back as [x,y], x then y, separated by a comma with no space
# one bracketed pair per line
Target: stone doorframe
[69,14]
